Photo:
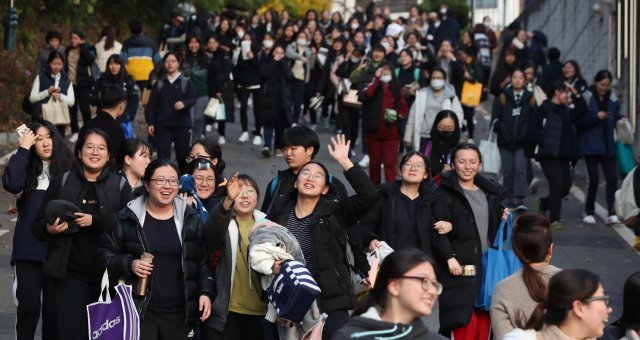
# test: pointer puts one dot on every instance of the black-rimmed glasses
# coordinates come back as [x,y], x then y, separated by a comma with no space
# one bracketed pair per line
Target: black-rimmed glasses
[605,298]
[426,283]
[191,158]
[174,182]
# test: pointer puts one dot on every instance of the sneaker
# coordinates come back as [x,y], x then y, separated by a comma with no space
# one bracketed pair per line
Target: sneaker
[533,187]
[266,153]
[364,162]
[278,153]
[556,225]
[612,219]
[257,140]
[222,140]
[589,219]
[244,137]
[73,138]
[208,128]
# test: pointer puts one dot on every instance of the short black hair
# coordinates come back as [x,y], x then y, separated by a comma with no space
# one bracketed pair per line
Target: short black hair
[135,26]
[553,54]
[77,32]
[302,136]
[53,35]
[111,96]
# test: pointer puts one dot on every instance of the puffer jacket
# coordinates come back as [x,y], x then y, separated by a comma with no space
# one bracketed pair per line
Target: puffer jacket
[463,242]
[511,119]
[124,241]
[330,222]
[552,130]
[112,196]
[223,232]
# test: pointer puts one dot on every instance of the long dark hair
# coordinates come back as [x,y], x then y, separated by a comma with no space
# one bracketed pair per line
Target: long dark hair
[62,159]
[119,78]
[630,308]
[200,57]
[565,287]
[394,266]
[395,88]
[109,32]
[531,240]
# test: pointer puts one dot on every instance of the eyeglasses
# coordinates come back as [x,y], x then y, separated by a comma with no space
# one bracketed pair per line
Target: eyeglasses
[174,182]
[191,158]
[204,180]
[604,298]
[248,192]
[446,128]
[426,283]
[93,148]
[306,174]
[409,166]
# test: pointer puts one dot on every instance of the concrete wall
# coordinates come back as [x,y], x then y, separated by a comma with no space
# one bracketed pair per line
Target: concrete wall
[579,32]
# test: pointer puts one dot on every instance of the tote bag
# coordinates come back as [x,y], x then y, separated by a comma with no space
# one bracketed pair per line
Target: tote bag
[498,262]
[115,319]
[490,153]
[212,108]
[471,94]
[625,157]
[56,111]
[351,99]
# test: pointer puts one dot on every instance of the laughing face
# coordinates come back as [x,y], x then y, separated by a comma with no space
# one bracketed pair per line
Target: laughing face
[163,186]
[467,164]
[205,182]
[311,181]
[412,295]
[247,201]
[595,314]
[95,153]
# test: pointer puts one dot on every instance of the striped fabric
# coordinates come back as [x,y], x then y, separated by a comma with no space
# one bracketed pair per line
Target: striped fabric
[293,291]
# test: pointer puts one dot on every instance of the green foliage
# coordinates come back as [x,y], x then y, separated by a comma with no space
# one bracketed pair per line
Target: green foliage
[15,83]
[458,7]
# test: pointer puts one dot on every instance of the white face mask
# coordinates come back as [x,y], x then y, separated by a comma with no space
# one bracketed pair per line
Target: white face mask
[354,26]
[385,45]
[355,60]
[487,23]
[386,78]
[240,34]
[301,42]
[267,43]
[437,84]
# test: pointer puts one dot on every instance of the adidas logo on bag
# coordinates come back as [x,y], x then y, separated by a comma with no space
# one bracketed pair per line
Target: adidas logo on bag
[105,326]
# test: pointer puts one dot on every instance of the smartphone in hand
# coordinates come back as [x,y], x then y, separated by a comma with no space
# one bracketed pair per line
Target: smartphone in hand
[21,130]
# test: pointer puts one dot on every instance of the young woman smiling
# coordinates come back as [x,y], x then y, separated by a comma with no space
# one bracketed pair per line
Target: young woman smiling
[161,223]
[72,255]
[42,155]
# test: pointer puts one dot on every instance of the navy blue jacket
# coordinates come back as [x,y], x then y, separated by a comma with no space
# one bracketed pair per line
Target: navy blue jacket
[161,111]
[595,136]
[14,180]
[552,130]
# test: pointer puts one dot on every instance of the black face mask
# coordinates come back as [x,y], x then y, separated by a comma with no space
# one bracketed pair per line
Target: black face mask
[446,136]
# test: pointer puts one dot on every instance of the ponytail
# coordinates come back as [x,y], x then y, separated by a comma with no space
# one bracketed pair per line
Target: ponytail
[536,286]
[536,321]
[110,33]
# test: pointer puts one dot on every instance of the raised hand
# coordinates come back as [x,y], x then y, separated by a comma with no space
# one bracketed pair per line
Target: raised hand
[233,190]
[339,150]
[27,140]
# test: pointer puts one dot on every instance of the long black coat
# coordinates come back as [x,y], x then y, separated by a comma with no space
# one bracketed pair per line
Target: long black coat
[330,220]
[274,92]
[380,222]
[463,242]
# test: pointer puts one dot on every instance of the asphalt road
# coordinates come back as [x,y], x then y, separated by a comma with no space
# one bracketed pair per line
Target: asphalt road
[598,248]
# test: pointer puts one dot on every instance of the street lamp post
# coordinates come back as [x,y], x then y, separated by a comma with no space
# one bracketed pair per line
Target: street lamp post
[10,28]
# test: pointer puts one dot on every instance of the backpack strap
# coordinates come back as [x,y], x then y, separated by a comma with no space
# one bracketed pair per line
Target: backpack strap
[416,74]
[274,185]
[184,82]
[397,71]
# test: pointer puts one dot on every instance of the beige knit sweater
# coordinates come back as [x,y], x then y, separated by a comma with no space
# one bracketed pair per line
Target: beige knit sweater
[511,300]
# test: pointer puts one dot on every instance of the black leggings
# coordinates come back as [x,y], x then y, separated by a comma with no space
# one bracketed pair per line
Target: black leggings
[82,94]
[29,284]
[558,173]
[71,297]
[181,138]
[238,327]
[611,177]
[243,97]
[335,320]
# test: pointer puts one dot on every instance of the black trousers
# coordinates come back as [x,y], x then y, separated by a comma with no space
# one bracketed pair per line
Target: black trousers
[611,177]
[29,284]
[297,98]
[165,326]
[181,138]
[71,298]
[82,94]
[238,327]
[468,117]
[243,97]
[350,122]
[558,174]
[335,320]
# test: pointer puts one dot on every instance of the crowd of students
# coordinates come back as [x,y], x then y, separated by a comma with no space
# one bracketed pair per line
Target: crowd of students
[391,86]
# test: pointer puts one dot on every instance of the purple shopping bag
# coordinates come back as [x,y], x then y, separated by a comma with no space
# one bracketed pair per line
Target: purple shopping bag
[113,319]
